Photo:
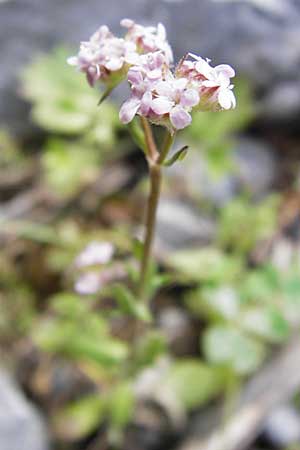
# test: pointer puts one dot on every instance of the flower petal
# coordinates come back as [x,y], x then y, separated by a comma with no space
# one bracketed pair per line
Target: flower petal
[180,118]
[190,98]
[164,89]
[114,64]
[135,76]
[146,103]
[226,99]
[88,283]
[129,109]
[225,69]
[127,23]
[162,105]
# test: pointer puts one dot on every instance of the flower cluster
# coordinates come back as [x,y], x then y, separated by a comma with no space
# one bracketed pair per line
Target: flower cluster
[213,83]
[163,96]
[107,58]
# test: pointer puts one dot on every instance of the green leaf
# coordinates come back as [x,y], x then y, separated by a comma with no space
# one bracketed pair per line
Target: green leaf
[260,285]
[267,323]
[80,418]
[138,248]
[121,405]
[206,264]
[252,223]
[68,166]
[178,156]
[215,303]
[149,347]
[194,383]
[67,338]
[129,304]
[226,346]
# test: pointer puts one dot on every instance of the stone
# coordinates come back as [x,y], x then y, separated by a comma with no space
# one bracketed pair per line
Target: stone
[21,427]
[282,428]
[261,39]
[256,166]
[256,169]
[179,226]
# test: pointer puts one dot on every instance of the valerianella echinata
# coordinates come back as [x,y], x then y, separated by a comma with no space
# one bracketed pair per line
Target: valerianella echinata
[163,96]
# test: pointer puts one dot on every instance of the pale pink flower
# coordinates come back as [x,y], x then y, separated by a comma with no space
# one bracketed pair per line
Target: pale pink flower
[159,96]
[148,39]
[104,57]
[88,283]
[95,253]
[143,79]
[213,83]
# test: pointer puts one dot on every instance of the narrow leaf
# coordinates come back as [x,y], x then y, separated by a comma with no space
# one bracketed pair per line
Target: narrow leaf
[178,156]
[129,304]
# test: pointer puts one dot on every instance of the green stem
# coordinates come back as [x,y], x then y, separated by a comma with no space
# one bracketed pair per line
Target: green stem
[155,161]
[155,187]
[152,151]
[168,142]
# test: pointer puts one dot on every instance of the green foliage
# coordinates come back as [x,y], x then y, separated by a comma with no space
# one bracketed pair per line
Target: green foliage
[178,156]
[206,264]
[193,382]
[63,103]
[149,348]
[129,304]
[242,223]
[80,418]
[68,166]
[79,333]
[121,405]
[226,346]
[65,106]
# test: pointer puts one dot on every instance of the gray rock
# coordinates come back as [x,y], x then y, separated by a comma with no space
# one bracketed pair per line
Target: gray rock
[282,428]
[197,182]
[261,39]
[178,226]
[256,170]
[256,166]
[21,427]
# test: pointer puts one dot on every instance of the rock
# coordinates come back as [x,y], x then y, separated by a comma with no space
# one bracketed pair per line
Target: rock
[261,39]
[255,172]
[282,428]
[21,427]
[178,226]
[256,166]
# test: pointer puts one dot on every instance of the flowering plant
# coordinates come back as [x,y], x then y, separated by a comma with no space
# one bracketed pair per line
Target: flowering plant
[160,94]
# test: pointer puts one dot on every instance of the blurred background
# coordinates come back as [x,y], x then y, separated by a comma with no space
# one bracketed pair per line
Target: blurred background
[221,370]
